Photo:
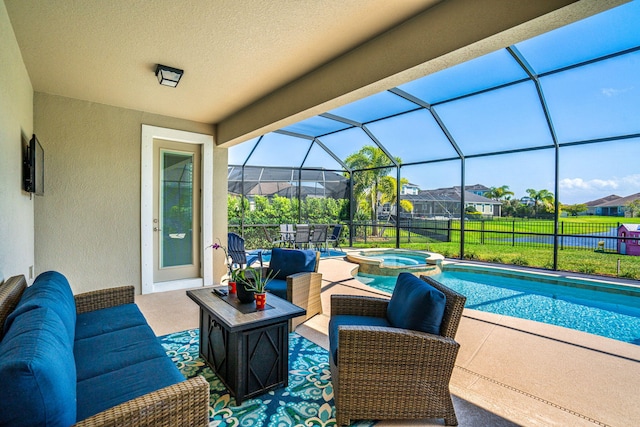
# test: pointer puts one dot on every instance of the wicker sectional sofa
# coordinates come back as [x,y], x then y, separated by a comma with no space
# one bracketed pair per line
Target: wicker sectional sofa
[87,360]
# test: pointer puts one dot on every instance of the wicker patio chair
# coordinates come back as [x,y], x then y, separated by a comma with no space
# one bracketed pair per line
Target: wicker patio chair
[391,373]
[302,288]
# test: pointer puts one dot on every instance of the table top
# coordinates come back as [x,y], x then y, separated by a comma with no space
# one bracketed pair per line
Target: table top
[235,320]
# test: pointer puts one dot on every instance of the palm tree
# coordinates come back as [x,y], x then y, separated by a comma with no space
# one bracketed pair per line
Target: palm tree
[541,198]
[499,193]
[389,193]
[371,164]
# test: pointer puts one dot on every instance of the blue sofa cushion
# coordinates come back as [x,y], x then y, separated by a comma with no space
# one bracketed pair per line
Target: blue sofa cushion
[416,305]
[115,350]
[113,388]
[285,262]
[345,319]
[278,287]
[110,319]
[37,372]
[50,290]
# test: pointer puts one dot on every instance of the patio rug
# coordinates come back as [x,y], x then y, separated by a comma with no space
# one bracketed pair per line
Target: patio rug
[307,401]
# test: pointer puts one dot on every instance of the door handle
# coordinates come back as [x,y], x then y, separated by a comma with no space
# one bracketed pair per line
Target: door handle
[156,229]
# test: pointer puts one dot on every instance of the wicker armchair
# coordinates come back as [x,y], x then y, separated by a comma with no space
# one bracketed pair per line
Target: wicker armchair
[302,289]
[391,373]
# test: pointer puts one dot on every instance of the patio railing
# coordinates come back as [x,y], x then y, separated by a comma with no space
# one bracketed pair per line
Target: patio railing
[522,233]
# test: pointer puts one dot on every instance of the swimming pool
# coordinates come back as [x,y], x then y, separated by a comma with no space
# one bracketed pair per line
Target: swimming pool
[613,314]
[252,256]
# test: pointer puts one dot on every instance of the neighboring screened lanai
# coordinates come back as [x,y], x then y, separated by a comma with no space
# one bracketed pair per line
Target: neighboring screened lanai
[497,150]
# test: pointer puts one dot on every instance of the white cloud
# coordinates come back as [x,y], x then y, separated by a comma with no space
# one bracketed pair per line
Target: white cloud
[610,91]
[579,190]
[632,181]
[592,184]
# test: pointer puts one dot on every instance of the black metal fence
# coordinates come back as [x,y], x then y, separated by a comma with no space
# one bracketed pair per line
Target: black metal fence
[522,233]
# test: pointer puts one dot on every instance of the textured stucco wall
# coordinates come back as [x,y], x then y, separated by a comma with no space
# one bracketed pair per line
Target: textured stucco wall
[16,123]
[87,226]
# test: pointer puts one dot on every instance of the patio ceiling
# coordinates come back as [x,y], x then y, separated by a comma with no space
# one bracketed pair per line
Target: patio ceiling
[574,85]
[253,67]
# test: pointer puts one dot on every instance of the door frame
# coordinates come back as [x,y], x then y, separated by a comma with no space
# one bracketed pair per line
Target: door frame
[149,133]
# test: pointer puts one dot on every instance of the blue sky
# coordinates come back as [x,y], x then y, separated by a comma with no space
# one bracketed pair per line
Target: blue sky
[599,100]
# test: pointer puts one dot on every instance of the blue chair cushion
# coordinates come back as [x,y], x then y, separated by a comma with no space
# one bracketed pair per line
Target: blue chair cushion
[115,350]
[50,290]
[99,393]
[345,319]
[416,305]
[285,262]
[98,322]
[37,372]
[278,287]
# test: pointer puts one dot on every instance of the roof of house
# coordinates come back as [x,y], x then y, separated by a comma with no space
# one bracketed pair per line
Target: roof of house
[630,227]
[598,202]
[621,201]
[451,194]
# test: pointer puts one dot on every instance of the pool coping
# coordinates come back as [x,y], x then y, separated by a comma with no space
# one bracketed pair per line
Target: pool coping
[597,283]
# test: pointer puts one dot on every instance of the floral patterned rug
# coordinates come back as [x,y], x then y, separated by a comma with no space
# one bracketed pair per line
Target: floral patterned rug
[307,401]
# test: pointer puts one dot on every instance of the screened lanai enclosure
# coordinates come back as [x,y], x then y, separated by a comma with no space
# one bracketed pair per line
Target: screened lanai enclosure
[527,155]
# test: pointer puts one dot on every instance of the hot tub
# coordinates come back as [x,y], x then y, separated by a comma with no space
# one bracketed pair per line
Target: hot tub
[391,262]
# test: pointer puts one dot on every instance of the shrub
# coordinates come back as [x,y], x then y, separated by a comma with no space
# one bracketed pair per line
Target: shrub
[470,255]
[520,260]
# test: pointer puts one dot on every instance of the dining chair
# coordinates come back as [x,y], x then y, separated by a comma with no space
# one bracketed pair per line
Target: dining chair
[301,239]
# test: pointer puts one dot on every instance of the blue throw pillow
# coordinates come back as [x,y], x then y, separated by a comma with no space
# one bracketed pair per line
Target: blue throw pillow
[50,290]
[285,262]
[37,372]
[416,305]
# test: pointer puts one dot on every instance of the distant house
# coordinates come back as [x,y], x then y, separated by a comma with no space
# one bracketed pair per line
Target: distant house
[612,205]
[630,238]
[594,207]
[286,182]
[477,189]
[409,189]
[526,200]
[445,203]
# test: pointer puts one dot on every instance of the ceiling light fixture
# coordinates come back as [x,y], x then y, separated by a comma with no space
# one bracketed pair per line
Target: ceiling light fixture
[168,76]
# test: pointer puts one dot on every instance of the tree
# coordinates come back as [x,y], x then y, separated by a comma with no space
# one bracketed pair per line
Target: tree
[574,210]
[371,165]
[633,207]
[542,198]
[499,193]
[389,193]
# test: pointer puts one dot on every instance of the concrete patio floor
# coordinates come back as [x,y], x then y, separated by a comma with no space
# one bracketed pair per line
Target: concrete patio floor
[508,372]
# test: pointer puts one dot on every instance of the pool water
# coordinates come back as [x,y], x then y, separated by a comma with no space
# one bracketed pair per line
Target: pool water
[266,254]
[613,315]
[395,260]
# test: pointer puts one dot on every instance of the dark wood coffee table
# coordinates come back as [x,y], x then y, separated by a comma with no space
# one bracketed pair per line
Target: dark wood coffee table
[247,349]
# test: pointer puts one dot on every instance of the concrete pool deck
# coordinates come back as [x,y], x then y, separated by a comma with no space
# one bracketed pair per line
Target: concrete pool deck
[508,372]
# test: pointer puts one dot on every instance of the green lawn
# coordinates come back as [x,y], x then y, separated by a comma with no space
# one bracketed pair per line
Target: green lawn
[577,260]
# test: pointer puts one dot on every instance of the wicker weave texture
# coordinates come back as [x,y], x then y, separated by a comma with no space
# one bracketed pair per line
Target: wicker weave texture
[392,373]
[304,290]
[10,292]
[183,404]
[103,298]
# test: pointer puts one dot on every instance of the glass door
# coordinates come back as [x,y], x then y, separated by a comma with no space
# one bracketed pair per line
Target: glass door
[176,222]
